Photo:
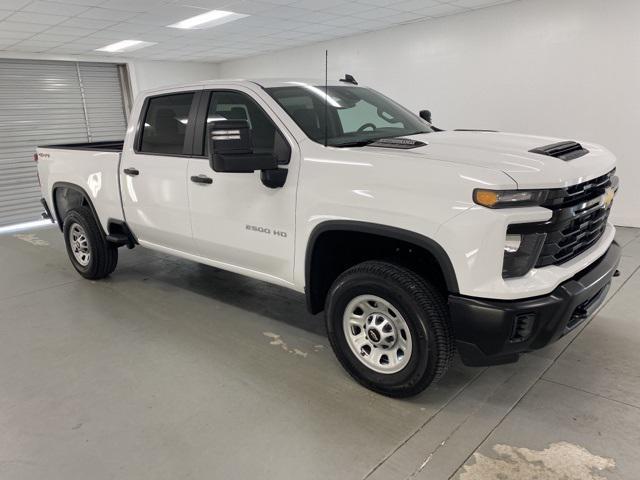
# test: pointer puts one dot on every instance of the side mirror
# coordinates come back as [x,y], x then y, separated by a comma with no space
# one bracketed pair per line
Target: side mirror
[231,148]
[425,115]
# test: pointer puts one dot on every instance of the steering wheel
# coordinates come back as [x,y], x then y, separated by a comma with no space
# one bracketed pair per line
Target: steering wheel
[367,125]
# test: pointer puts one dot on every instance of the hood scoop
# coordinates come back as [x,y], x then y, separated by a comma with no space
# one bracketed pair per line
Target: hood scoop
[563,150]
[399,143]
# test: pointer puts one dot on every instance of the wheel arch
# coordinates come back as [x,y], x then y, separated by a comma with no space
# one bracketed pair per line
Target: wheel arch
[63,201]
[316,279]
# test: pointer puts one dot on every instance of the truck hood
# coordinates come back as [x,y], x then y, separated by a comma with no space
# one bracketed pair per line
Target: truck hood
[511,154]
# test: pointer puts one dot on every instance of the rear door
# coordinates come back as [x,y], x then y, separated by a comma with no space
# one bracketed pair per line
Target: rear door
[238,222]
[153,172]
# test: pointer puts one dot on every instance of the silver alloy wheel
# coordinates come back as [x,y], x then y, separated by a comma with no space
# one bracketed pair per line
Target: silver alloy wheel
[377,334]
[79,244]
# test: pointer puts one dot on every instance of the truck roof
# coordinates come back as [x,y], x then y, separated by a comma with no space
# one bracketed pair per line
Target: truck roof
[263,82]
[287,82]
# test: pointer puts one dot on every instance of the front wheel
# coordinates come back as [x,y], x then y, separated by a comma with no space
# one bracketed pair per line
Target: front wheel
[389,328]
[90,253]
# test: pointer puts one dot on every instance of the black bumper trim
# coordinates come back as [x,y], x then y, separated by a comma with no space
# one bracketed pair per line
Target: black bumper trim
[484,328]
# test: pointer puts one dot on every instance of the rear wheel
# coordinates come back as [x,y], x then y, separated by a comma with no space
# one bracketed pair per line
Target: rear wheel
[389,328]
[90,253]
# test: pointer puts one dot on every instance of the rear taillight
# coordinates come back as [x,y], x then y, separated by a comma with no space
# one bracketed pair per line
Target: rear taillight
[35,157]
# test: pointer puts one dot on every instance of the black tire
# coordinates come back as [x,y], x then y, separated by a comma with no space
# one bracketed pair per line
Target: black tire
[103,255]
[424,310]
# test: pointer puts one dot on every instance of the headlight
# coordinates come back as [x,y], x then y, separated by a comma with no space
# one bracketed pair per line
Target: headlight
[521,252]
[508,198]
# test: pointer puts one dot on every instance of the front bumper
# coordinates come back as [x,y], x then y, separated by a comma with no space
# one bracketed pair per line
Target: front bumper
[491,332]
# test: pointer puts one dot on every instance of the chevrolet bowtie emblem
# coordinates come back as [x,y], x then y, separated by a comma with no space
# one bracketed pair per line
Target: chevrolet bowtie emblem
[609,193]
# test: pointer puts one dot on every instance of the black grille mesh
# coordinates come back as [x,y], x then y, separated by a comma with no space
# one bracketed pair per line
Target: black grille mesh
[577,223]
[575,238]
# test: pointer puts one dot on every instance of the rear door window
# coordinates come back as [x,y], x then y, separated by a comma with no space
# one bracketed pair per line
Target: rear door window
[165,124]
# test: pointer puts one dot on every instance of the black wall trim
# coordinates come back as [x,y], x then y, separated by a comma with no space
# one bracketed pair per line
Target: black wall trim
[384,231]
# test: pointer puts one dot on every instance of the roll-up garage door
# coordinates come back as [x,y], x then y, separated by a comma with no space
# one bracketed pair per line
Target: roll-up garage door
[103,99]
[47,102]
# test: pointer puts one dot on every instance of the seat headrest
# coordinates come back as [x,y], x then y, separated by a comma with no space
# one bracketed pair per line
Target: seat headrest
[236,113]
[308,120]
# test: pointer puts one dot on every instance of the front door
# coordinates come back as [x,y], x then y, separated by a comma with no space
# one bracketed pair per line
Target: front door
[238,222]
[153,174]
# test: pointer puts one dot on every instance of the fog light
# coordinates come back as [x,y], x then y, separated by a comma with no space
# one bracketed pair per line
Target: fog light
[512,243]
[521,253]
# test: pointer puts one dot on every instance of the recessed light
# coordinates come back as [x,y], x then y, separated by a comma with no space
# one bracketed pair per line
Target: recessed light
[125,46]
[209,19]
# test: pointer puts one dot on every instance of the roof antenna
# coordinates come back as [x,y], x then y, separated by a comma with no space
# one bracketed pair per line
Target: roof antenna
[349,79]
[326,97]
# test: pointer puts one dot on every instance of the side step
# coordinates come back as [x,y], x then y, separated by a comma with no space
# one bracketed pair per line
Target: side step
[120,235]
[118,238]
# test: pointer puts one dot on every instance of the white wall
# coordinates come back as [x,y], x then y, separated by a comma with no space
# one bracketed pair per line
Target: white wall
[146,75]
[567,68]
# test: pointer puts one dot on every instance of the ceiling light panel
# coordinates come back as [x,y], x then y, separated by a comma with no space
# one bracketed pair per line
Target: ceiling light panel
[125,46]
[31,25]
[208,19]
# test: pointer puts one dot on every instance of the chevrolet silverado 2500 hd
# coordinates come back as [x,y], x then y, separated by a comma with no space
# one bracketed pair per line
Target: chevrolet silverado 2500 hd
[413,240]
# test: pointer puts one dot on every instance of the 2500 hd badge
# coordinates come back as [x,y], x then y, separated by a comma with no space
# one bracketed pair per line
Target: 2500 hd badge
[268,231]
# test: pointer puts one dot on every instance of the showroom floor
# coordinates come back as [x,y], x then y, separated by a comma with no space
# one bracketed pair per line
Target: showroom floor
[174,370]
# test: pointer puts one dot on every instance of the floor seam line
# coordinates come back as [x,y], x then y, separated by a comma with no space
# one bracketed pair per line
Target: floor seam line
[419,429]
[453,432]
[11,297]
[590,393]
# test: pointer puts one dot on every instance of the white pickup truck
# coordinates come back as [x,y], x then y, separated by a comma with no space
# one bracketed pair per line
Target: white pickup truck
[414,241]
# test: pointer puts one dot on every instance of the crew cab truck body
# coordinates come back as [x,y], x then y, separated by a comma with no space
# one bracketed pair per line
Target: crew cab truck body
[411,239]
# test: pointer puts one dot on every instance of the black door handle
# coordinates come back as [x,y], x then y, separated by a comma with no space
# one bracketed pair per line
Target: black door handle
[132,171]
[203,179]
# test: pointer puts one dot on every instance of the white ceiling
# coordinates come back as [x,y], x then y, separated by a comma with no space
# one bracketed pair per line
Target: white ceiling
[78,27]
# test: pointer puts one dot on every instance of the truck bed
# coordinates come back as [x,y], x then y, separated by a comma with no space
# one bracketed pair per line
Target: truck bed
[91,167]
[108,146]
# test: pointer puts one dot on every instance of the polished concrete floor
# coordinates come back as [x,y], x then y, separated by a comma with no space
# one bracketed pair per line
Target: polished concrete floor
[172,370]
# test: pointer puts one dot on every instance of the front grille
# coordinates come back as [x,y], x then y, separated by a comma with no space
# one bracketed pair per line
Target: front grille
[579,220]
[574,237]
[566,197]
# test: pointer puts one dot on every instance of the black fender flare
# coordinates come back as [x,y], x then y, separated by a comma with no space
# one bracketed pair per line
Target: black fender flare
[119,225]
[81,191]
[428,244]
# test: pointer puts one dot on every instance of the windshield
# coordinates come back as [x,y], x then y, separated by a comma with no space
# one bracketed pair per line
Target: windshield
[357,115]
